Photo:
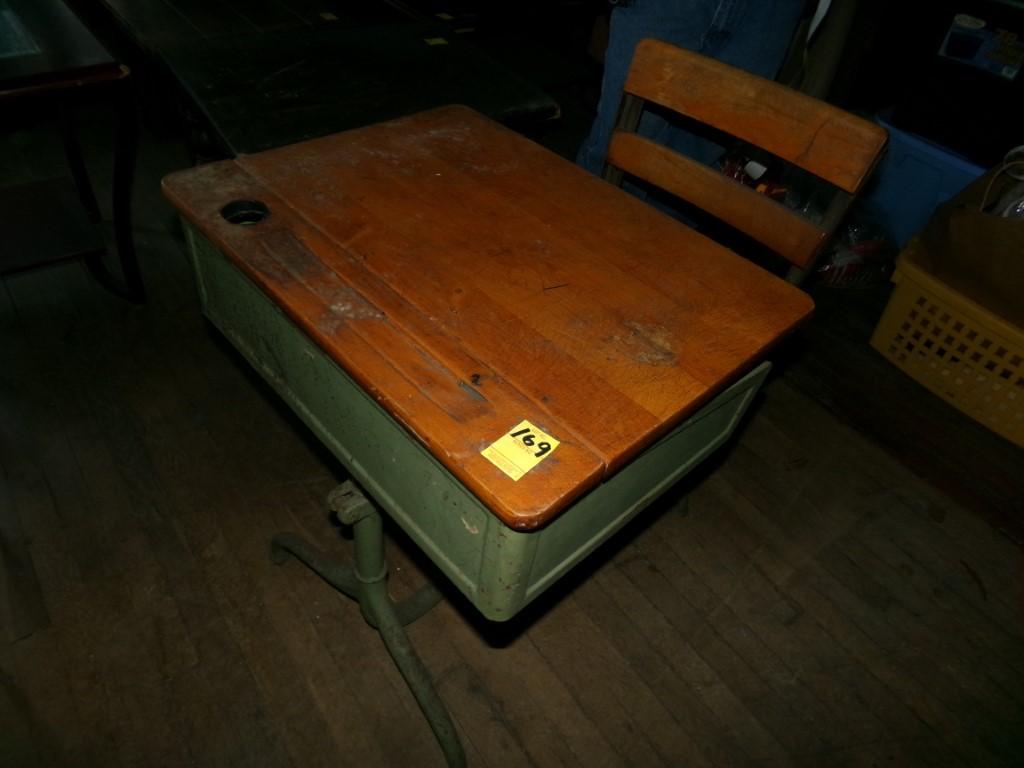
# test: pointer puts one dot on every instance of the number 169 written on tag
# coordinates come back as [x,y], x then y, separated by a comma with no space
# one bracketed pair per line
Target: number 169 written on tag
[520,449]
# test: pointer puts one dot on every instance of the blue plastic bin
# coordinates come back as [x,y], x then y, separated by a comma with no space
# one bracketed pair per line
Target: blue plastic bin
[913,178]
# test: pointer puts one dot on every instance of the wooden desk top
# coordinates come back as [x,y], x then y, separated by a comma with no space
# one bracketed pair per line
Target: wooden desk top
[470,279]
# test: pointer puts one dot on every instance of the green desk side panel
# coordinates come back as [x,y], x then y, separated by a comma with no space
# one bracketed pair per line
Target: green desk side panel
[499,569]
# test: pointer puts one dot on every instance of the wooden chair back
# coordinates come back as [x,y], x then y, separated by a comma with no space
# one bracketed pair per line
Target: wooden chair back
[817,137]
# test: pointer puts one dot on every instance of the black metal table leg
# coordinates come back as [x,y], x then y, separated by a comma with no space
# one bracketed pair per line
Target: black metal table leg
[126,141]
[125,152]
[76,164]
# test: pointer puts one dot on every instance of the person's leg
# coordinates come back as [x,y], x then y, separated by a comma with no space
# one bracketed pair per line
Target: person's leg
[681,22]
[751,34]
[754,35]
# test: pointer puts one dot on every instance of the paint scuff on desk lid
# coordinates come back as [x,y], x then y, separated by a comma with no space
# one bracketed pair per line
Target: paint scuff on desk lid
[520,449]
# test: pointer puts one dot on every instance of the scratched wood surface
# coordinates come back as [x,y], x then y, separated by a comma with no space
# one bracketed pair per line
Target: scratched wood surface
[470,279]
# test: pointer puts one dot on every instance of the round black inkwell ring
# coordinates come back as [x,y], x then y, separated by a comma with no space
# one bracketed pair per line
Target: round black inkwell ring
[245,212]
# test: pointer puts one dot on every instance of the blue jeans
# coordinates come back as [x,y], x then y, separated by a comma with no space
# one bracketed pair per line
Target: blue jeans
[749,34]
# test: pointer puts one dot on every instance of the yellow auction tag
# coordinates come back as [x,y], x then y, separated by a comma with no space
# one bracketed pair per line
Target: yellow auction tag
[520,449]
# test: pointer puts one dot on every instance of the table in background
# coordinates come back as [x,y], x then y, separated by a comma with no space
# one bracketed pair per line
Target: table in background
[260,75]
[158,25]
[50,60]
[257,92]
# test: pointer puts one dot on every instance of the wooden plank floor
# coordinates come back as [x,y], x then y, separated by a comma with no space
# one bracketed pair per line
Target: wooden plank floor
[838,368]
[816,604]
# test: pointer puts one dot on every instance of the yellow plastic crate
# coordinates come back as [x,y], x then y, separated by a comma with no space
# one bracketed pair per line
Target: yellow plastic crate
[954,346]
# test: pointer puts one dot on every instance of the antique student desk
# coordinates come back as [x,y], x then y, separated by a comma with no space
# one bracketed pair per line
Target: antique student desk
[511,356]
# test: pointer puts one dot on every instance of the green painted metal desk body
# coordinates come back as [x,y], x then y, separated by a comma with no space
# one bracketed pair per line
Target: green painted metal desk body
[416,289]
[498,568]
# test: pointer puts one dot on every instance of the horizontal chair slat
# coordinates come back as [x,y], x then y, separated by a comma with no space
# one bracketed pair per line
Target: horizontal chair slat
[757,216]
[828,142]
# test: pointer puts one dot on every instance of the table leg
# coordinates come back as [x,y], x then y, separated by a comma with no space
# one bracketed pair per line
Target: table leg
[76,164]
[125,148]
[125,151]
[367,583]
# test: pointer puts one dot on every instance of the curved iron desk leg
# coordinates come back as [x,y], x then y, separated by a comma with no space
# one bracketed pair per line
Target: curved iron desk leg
[367,583]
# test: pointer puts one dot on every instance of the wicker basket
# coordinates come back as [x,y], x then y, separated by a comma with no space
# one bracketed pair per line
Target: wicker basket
[955,346]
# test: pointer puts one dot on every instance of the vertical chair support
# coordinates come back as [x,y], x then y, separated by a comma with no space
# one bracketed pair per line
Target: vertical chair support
[367,583]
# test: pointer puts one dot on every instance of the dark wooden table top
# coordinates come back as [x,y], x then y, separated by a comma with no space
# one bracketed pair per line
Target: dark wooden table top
[258,92]
[44,45]
[470,279]
[158,25]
